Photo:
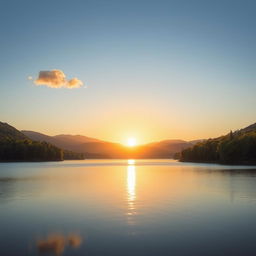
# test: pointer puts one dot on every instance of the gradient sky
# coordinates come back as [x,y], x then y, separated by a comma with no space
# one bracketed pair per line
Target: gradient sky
[152,69]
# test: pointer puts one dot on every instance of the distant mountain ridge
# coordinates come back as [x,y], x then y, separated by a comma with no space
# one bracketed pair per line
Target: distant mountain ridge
[94,148]
[76,138]
[235,147]
[68,142]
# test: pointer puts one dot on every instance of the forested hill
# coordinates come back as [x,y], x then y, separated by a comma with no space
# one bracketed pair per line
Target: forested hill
[15,146]
[8,132]
[237,147]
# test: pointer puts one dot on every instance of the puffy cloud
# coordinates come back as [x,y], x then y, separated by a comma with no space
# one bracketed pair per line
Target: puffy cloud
[74,83]
[57,79]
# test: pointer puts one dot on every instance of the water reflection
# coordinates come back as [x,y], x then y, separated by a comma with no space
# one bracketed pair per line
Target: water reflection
[131,191]
[137,207]
[55,244]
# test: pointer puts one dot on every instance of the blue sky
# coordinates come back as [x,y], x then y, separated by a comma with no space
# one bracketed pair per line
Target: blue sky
[152,69]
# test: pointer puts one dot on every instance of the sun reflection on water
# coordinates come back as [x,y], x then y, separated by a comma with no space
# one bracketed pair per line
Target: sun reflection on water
[131,161]
[131,191]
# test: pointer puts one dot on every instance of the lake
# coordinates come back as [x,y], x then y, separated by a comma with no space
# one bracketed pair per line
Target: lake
[120,207]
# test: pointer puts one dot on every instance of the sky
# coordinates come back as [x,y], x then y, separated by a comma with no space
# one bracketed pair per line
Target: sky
[152,70]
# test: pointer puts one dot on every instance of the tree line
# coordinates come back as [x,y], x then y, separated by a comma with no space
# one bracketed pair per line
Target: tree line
[234,148]
[27,150]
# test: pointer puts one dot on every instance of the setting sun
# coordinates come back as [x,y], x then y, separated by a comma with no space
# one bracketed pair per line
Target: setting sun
[131,142]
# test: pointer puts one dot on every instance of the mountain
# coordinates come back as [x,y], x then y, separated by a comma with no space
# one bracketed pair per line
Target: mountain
[237,147]
[68,142]
[38,136]
[249,128]
[193,142]
[171,145]
[15,146]
[75,138]
[94,148]
[8,132]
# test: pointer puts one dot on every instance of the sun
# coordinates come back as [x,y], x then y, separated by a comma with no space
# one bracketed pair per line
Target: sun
[131,142]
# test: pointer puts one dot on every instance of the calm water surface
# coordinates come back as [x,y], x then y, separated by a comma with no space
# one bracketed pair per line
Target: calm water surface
[120,207]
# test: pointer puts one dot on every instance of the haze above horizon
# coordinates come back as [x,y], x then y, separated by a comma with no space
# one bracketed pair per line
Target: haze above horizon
[141,70]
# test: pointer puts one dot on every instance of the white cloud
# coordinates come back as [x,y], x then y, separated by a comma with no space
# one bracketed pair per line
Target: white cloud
[57,79]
